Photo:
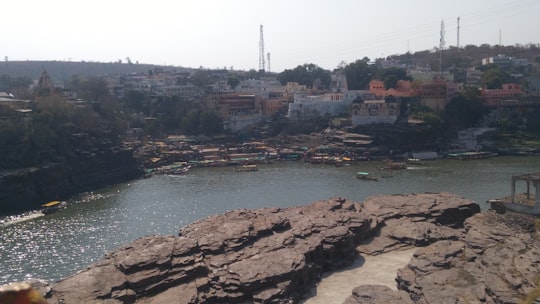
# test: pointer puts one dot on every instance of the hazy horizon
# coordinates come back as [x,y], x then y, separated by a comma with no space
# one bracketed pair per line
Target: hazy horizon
[226,34]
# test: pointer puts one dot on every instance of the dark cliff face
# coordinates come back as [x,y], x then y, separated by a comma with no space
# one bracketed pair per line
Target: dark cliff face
[27,189]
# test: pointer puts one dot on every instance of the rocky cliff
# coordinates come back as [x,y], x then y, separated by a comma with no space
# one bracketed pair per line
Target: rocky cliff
[267,255]
[27,189]
[496,260]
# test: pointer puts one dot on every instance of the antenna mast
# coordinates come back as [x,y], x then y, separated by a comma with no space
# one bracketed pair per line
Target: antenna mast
[261,51]
[268,59]
[441,46]
[458,32]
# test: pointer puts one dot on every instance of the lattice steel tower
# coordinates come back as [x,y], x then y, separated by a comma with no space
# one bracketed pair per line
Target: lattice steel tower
[441,47]
[261,51]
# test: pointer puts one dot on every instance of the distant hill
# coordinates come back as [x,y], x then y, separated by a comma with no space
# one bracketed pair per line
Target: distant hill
[469,55]
[64,70]
[466,56]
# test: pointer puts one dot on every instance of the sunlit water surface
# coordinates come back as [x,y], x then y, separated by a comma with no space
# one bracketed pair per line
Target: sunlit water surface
[54,246]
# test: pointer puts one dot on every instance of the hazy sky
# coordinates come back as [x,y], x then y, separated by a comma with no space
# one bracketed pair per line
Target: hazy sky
[225,33]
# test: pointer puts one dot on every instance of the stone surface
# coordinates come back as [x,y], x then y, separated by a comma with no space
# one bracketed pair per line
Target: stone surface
[496,261]
[377,294]
[262,256]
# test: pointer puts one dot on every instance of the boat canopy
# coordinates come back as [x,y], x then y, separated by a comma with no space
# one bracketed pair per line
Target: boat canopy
[362,173]
[50,204]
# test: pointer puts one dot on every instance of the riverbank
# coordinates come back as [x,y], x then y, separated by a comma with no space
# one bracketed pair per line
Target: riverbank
[27,189]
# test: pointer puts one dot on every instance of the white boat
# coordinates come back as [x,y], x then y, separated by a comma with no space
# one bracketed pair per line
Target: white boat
[246,168]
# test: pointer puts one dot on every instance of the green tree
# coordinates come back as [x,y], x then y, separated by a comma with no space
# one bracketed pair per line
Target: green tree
[136,101]
[200,79]
[464,110]
[210,123]
[494,77]
[359,74]
[233,82]
[93,89]
[391,76]
[191,122]
[307,74]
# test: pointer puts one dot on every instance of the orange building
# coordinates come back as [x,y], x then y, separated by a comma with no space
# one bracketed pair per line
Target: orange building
[494,97]
[403,89]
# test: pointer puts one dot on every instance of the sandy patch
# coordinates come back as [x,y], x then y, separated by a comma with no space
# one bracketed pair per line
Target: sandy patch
[337,286]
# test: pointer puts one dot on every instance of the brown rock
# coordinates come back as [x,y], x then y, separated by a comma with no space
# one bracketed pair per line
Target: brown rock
[497,261]
[377,294]
[267,255]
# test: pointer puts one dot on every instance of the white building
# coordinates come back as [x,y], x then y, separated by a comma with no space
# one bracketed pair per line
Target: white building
[332,104]
[366,112]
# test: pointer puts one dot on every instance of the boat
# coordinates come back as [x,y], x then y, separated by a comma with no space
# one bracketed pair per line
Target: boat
[174,169]
[180,171]
[470,155]
[53,206]
[246,168]
[395,166]
[525,203]
[366,176]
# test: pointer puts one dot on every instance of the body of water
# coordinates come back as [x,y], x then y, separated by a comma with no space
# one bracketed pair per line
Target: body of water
[56,245]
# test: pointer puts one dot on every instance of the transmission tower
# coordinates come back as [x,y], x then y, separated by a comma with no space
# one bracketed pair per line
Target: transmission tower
[441,46]
[458,32]
[261,51]
[268,59]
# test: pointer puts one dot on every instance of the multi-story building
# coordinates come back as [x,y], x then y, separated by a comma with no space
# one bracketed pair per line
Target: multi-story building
[239,110]
[437,94]
[504,61]
[307,106]
[276,102]
[403,89]
[382,111]
[533,86]
[494,97]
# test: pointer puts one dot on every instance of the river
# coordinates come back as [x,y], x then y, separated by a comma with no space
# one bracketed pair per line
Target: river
[59,244]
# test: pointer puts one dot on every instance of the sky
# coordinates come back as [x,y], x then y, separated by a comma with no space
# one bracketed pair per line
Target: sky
[226,33]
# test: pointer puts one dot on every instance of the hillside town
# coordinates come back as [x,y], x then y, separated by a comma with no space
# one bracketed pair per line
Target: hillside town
[378,121]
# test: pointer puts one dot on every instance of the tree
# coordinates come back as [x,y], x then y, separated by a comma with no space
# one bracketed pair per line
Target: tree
[200,79]
[210,123]
[306,74]
[359,74]
[464,110]
[233,82]
[93,89]
[494,77]
[17,85]
[391,76]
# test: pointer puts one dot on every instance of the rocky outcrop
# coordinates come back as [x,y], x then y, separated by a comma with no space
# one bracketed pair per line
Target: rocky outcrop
[496,261]
[263,256]
[27,189]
